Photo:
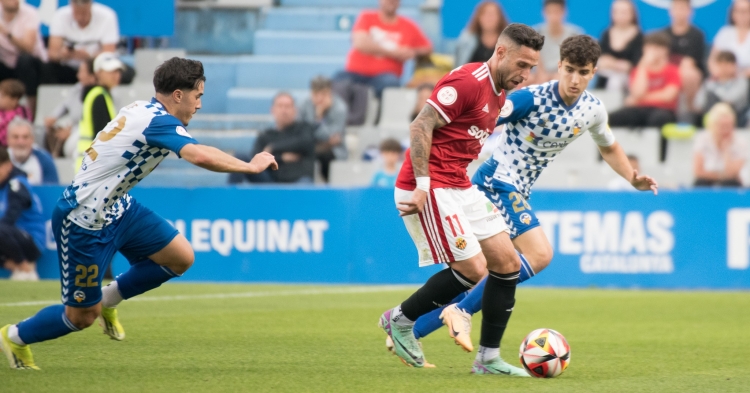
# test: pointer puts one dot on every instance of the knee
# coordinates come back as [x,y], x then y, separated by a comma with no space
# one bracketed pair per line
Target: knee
[540,257]
[184,263]
[82,318]
[504,260]
[474,268]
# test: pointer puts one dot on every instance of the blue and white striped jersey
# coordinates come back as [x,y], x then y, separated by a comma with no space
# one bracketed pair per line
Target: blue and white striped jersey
[538,126]
[123,153]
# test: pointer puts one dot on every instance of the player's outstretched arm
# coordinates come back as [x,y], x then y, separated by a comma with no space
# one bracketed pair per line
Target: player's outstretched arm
[421,143]
[216,160]
[618,161]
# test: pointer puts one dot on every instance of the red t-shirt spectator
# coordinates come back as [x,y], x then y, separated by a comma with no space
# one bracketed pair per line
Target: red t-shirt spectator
[402,33]
[669,75]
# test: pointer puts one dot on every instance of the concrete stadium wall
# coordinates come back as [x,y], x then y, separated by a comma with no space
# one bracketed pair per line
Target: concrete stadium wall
[679,239]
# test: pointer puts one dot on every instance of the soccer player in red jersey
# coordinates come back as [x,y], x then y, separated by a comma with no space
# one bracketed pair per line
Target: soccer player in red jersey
[449,220]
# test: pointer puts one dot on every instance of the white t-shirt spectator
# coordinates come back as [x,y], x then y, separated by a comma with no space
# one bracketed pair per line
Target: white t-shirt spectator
[727,39]
[713,160]
[26,19]
[101,30]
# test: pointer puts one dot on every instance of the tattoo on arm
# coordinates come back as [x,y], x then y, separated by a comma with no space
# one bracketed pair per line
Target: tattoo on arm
[421,139]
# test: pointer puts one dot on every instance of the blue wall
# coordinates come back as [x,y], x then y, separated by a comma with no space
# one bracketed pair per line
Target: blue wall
[606,239]
[592,16]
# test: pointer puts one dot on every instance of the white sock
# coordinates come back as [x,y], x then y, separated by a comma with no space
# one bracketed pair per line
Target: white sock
[111,295]
[486,354]
[398,317]
[13,335]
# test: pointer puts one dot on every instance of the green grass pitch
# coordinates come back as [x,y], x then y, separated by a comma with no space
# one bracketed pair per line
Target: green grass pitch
[265,338]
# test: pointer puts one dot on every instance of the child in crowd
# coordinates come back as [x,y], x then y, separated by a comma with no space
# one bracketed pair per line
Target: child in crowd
[11,91]
[724,85]
[390,155]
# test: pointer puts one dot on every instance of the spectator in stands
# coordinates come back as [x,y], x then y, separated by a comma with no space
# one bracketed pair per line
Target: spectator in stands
[78,32]
[555,31]
[381,42]
[654,89]
[21,49]
[687,49]
[22,225]
[11,91]
[291,142]
[618,183]
[423,94]
[477,42]
[736,36]
[622,45]
[63,121]
[390,155]
[36,163]
[719,153]
[328,113]
[98,109]
[724,85]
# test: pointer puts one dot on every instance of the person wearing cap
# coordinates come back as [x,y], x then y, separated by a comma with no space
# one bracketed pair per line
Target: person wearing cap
[98,107]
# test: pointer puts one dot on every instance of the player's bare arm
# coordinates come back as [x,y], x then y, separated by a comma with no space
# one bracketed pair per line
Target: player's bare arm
[421,142]
[615,156]
[215,160]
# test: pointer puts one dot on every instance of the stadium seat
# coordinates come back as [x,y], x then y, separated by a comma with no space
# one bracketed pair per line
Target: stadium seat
[345,3]
[221,75]
[126,94]
[581,152]
[258,101]
[229,141]
[570,175]
[146,61]
[65,170]
[644,144]
[396,107]
[612,100]
[285,72]
[319,19]
[48,98]
[352,173]
[679,162]
[302,43]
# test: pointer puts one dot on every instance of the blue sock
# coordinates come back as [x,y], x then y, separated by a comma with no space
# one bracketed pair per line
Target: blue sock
[143,276]
[472,303]
[49,323]
[431,321]
[526,271]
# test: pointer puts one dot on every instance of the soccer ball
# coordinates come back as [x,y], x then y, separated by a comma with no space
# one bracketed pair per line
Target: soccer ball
[544,353]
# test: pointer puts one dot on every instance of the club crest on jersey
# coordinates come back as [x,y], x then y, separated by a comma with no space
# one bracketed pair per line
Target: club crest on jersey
[460,243]
[480,134]
[79,296]
[525,218]
[577,126]
[533,138]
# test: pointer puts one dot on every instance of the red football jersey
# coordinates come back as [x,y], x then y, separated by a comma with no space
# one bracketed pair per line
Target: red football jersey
[466,99]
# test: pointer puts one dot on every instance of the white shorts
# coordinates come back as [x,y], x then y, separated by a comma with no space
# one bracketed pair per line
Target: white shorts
[452,224]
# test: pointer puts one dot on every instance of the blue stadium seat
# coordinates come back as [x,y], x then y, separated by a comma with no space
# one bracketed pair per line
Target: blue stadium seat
[227,140]
[257,101]
[319,19]
[302,43]
[221,76]
[345,3]
[285,72]
[184,177]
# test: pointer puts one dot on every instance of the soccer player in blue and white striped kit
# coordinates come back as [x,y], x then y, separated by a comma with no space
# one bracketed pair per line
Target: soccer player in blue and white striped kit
[96,217]
[540,121]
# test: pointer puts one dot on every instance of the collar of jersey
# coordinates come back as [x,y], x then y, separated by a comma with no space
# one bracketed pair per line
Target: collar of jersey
[155,101]
[492,81]
[559,99]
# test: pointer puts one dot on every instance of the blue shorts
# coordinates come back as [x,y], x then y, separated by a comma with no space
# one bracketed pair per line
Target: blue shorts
[517,213]
[84,254]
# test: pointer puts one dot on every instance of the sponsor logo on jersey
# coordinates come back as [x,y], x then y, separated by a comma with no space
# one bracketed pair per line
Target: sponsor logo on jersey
[486,108]
[525,218]
[79,296]
[460,243]
[480,134]
[447,95]
[533,138]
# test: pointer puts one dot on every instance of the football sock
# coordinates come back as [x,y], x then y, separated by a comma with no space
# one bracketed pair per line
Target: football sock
[143,276]
[431,321]
[111,296]
[497,305]
[526,270]
[436,292]
[49,323]
[485,354]
[398,317]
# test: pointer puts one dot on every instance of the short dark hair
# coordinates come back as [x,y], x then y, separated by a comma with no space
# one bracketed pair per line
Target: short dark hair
[320,83]
[726,56]
[558,2]
[12,88]
[391,145]
[4,156]
[580,50]
[682,1]
[524,35]
[178,74]
[659,38]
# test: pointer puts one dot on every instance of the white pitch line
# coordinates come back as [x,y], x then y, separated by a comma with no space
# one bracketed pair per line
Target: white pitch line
[239,295]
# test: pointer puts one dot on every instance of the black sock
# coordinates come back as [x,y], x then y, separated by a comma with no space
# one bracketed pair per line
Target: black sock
[438,291]
[497,304]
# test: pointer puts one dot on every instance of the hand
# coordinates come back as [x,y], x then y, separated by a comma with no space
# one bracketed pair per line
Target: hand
[62,133]
[290,157]
[403,54]
[644,183]
[415,205]
[49,122]
[630,101]
[268,149]
[334,140]
[262,161]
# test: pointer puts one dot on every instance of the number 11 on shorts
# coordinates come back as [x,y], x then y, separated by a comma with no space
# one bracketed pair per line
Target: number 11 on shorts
[450,222]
